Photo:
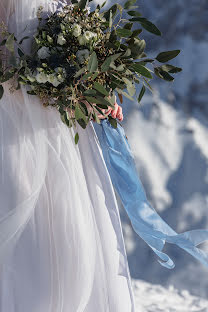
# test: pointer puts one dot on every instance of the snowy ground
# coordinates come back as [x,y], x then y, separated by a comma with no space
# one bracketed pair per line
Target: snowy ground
[155,298]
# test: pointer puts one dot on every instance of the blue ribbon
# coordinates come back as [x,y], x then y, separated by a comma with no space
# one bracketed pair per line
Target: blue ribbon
[145,220]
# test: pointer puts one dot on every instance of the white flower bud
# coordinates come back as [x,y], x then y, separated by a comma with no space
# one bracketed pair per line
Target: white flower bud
[77,30]
[53,80]
[61,40]
[41,77]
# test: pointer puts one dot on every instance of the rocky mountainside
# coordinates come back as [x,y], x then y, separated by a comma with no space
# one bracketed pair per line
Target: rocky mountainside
[168,134]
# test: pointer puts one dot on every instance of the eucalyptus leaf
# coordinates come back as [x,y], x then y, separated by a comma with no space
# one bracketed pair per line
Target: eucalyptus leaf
[20,52]
[136,32]
[113,122]
[86,76]
[134,13]
[24,38]
[89,92]
[100,88]
[128,26]
[79,114]
[163,74]
[80,72]
[76,139]
[122,32]
[141,94]
[130,86]
[105,66]
[10,43]
[142,70]
[93,62]
[1,91]
[128,4]
[3,42]
[171,69]
[164,57]
[149,26]
[125,94]
[82,4]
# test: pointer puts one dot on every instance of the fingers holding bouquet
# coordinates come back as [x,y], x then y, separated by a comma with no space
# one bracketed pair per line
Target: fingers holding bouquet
[115,113]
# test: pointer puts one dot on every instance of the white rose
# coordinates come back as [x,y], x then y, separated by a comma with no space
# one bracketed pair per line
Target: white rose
[88,35]
[81,40]
[61,40]
[41,77]
[77,30]
[53,80]
[82,55]
[43,52]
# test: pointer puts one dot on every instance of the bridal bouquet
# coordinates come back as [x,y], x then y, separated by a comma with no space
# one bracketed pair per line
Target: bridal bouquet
[80,60]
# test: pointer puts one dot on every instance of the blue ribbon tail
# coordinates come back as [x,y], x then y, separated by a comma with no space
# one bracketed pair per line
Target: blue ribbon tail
[145,220]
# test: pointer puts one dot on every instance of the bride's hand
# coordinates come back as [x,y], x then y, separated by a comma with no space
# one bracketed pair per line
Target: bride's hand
[115,113]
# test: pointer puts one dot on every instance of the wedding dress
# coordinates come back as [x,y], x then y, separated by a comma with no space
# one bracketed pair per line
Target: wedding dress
[61,243]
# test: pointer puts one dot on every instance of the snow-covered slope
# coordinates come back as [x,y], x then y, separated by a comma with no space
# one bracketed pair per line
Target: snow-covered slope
[155,298]
[168,134]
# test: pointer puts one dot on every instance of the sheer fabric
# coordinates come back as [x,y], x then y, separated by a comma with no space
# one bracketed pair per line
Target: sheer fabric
[61,243]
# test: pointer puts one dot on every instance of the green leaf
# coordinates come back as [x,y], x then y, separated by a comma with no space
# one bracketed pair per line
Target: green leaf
[82,4]
[142,92]
[171,69]
[164,57]
[130,86]
[100,88]
[149,26]
[89,92]
[137,48]
[80,72]
[86,76]
[142,70]
[125,94]
[136,32]
[134,13]
[79,114]
[104,3]
[93,63]
[1,91]
[105,66]
[95,75]
[122,32]
[20,52]
[10,43]
[163,74]
[127,53]
[26,37]
[113,122]
[128,26]
[99,100]
[76,139]
[3,42]
[129,4]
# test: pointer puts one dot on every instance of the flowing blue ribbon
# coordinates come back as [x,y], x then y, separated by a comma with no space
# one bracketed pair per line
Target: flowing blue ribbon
[145,220]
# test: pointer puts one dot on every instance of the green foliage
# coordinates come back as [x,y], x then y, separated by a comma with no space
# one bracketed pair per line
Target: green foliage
[141,94]
[79,69]
[164,57]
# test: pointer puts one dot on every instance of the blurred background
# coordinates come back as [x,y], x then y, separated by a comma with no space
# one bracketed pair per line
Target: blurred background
[168,134]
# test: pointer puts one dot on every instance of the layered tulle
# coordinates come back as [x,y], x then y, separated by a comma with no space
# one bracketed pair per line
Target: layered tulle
[61,244]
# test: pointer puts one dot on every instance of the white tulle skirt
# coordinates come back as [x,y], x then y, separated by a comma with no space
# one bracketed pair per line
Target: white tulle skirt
[61,243]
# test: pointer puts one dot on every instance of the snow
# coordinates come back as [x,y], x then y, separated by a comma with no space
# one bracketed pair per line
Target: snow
[155,298]
[168,135]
